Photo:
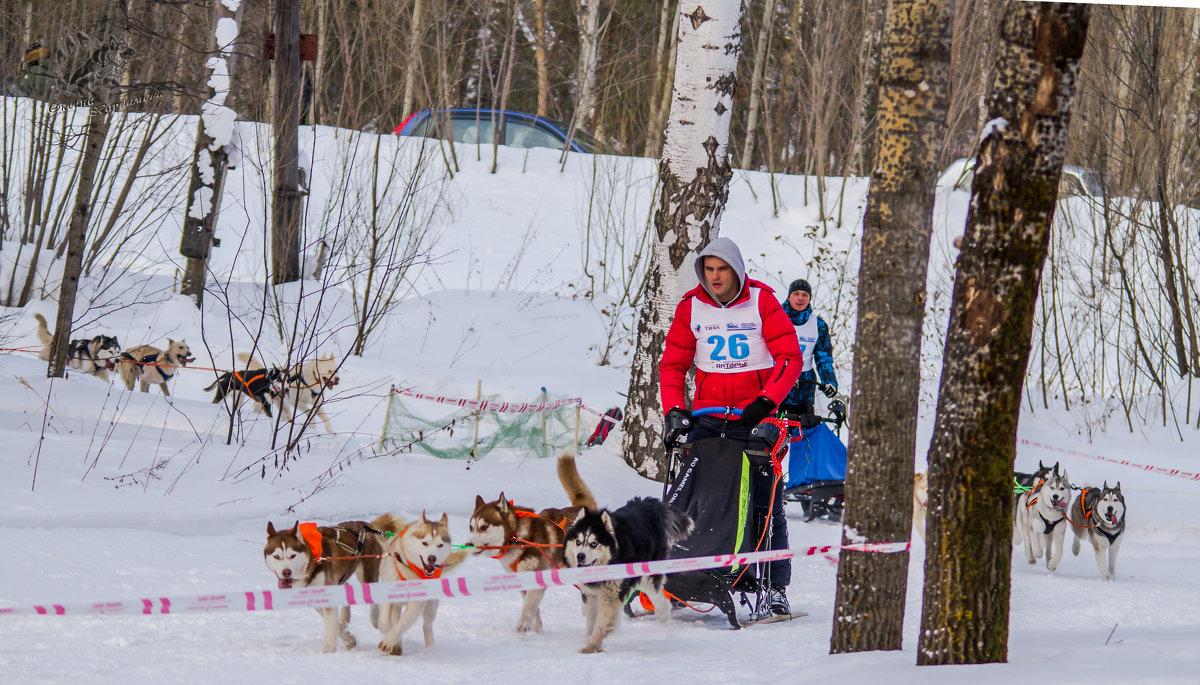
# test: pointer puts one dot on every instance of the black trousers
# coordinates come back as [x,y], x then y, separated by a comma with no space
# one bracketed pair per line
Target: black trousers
[762,476]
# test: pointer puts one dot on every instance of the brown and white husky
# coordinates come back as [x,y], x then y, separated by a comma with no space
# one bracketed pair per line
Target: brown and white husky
[307,554]
[420,551]
[524,540]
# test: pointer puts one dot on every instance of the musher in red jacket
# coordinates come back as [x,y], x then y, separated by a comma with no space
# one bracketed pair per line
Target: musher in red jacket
[747,356]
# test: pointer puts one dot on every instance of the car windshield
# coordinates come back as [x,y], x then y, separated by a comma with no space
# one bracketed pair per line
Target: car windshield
[584,139]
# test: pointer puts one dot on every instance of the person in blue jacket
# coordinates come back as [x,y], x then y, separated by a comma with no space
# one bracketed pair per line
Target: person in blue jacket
[816,348]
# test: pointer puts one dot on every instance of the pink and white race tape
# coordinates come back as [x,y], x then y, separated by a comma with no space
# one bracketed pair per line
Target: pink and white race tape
[1161,470]
[504,407]
[419,590]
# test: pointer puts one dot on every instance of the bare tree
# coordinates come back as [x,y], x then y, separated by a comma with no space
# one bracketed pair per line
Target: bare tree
[969,530]
[694,179]
[869,613]
[286,199]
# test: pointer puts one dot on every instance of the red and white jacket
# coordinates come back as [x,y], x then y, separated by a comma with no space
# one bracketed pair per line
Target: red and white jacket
[729,388]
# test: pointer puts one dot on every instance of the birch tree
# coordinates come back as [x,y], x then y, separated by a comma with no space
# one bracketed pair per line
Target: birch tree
[694,178]
[588,16]
[964,617]
[869,612]
[211,157]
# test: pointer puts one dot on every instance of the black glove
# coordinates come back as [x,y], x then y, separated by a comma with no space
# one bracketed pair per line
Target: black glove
[676,424]
[756,411]
[829,389]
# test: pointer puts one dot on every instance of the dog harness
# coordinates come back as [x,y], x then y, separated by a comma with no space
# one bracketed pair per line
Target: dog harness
[311,534]
[1087,517]
[525,544]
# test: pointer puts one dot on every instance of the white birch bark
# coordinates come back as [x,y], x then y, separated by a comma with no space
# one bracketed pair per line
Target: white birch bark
[694,179]
[587,13]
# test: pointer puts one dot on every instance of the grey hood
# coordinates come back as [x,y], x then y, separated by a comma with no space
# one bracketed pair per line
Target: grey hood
[727,250]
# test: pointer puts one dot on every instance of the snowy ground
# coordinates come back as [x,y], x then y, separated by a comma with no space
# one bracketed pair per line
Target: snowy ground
[107,495]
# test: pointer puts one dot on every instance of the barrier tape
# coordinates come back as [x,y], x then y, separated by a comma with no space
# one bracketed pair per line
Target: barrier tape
[487,405]
[1161,470]
[326,596]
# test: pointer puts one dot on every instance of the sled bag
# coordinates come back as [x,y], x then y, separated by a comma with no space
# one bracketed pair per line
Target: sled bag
[601,433]
[712,486]
[819,455]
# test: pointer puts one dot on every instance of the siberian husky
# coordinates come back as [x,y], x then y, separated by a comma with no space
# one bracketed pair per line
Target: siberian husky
[307,554]
[920,502]
[151,365]
[642,530]
[263,386]
[1022,483]
[304,386]
[522,540]
[96,355]
[1040,512]
[421,550]
[1098,514]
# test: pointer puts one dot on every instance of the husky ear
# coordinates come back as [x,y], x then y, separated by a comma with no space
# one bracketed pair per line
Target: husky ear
[1105,484]
[270,529]
[503,501]
[1117,487]
[170,342]
[579,517]
[608,523]
[479,501]
[445,520]
[423,519]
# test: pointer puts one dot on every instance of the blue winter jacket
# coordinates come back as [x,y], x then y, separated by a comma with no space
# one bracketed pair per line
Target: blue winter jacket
[822,358]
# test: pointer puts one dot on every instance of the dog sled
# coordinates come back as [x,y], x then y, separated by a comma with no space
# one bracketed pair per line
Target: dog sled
[709,479]
[817,465]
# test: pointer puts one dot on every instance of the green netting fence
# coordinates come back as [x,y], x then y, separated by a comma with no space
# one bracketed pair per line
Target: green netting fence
[451,428]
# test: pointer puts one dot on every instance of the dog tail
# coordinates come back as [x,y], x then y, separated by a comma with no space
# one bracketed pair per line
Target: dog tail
[389,523]
[43,331]
[572,482]
[249,360]
[677,523]
[214,384]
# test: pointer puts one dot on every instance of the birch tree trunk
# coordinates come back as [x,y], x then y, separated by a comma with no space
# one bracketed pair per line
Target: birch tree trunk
[756,77]
[210,157]
[913,92]
[694,180]
[969,529]
[412,57]
[587,13]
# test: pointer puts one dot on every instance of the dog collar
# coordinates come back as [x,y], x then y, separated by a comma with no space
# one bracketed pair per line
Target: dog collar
[437,573]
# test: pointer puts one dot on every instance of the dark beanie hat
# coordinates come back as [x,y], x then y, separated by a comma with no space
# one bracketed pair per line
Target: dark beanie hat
[799,284]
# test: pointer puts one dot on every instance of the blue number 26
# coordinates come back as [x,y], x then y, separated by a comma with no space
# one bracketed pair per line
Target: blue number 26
[738,347]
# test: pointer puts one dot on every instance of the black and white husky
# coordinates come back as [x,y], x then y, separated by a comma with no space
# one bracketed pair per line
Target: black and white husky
[1041,515]
[96,355]
[1098,515]
[642,530]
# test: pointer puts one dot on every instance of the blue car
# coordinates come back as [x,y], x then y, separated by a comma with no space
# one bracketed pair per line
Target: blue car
[477,125]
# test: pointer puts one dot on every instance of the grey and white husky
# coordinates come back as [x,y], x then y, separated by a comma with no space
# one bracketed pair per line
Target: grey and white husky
[1040,515]
[1098,515]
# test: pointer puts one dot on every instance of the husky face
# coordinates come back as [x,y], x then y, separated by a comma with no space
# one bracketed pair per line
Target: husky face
[490,526]
[425,544]
[287,556]
[592,540]
[1056,490]
[1111,505]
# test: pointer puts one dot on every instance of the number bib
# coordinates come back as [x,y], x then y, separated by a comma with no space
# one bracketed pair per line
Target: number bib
[807,333]
[730,339]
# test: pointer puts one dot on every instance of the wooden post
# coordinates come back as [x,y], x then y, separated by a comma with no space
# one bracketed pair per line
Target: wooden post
[478,413]
[543,413]
[387,417]
[576,450]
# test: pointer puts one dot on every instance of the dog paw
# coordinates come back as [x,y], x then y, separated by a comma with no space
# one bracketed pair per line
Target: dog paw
[592,649]
[394,650]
